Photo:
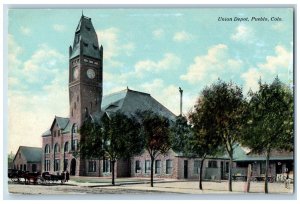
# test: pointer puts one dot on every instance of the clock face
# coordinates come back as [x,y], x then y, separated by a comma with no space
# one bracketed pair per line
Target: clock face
[75,73]
[91,73]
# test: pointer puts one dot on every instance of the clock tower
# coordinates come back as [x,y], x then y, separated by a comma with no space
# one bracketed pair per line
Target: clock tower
[85,72]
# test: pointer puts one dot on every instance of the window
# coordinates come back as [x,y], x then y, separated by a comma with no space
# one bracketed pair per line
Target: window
[137,166]
[262,168]
[47,149]
[92,166]
[157,166]
[56,165]
[54,133]
[66,147]
[33,167]
[75,145]
[74,128]
[147,166]
[56,148]
[59,132]
[21,167]
[47,165]
[197,166]
[106,166]
[212,164]
[24,167]
[169,166]
[77,38]
[227,167]
[65,164]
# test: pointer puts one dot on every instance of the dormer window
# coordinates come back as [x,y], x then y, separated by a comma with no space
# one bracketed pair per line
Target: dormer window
[87,28]
[77,38]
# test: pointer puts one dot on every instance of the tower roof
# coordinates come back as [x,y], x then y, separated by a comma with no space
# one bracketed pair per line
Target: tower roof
[85,40]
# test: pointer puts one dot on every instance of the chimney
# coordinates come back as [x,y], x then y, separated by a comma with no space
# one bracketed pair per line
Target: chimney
[180,90]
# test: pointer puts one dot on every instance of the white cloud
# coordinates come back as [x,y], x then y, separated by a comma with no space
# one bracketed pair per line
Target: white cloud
[112,47]
[168,95]
[32,106]
[280,64]
[25,30]
[43,64]
[158,33]
[243,34]
[279,26]
[251,78]
[182,36]
[59,27]
[30,115]
[216,63]
[169,61]
[14,50]
[282,60]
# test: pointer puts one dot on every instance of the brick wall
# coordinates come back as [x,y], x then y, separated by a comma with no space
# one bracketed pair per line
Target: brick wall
[162,173]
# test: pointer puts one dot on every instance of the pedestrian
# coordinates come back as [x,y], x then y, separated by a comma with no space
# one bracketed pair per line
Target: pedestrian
[67,176]
[63,177]
[287,179]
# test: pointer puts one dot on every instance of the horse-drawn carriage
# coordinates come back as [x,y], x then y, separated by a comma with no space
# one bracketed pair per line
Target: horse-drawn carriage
[19,176]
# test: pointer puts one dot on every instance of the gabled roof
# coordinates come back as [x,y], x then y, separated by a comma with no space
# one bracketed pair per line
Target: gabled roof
[63,124]
[31,154]
[129,101]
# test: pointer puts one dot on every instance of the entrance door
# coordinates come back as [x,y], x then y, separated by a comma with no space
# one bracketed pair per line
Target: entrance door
[222,170]
[33,168]
[185,169]
[73,167]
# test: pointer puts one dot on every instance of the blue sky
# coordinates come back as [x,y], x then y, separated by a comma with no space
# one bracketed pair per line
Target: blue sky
[149,50]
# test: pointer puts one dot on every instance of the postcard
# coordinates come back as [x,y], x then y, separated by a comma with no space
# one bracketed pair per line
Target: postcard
[151,101]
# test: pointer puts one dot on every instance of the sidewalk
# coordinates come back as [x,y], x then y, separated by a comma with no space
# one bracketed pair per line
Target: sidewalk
[178,186]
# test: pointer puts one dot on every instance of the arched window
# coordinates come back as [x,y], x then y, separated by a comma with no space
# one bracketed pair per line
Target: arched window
[74,128]
[66,147]
[47,149]
[56,148]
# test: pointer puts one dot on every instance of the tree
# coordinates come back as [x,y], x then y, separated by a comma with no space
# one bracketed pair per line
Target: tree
[155,130]
[224,112]
[121,138]
[270,120]
[10,160]
[115,137]
[91,144]
[203,141]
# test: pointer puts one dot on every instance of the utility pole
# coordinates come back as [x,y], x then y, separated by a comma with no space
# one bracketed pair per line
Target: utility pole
[180,91]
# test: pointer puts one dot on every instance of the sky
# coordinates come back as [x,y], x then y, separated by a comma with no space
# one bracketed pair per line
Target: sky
[149,50]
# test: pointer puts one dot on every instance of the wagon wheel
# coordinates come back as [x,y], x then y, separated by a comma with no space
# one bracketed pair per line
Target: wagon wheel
[39,180]
[15,179]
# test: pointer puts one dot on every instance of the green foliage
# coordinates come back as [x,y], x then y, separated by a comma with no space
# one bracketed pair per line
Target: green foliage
[155,130]
[122,138]
[221,107]
[91,144]
[156,133]
[270,119]
[10,160]
[181,134]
